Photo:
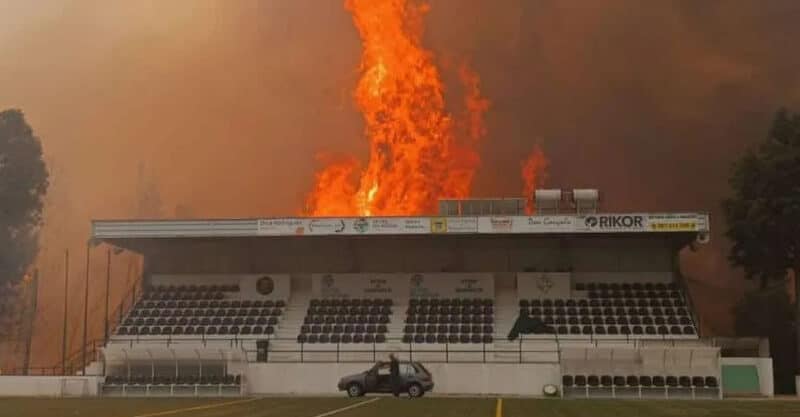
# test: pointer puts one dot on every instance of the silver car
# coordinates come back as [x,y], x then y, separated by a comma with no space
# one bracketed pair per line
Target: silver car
[416,380]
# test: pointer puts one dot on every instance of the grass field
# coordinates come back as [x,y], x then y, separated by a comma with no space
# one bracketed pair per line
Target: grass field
[388,407]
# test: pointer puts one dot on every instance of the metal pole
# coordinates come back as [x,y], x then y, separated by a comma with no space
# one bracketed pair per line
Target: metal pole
[85,309]
[66,297]
[34,289]
[108,285]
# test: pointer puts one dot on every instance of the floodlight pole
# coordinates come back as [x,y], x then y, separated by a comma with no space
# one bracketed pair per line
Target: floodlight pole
[85,310]
[108,285]
[66,298]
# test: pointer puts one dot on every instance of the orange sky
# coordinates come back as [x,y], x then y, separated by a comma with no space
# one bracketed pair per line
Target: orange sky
[225,104]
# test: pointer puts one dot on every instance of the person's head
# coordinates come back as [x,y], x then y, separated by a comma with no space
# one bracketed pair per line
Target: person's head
[392,357]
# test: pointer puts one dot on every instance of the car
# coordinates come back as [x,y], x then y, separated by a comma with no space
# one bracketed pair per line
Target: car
[417,380]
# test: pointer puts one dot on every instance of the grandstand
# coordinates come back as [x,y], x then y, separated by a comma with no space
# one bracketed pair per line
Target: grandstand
[289,305]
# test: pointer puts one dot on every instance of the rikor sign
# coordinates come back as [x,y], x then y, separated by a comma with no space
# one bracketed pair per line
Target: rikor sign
[615,222]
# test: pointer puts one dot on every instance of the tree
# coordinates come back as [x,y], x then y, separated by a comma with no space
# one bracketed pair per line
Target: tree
[763,214]
[23,184]
[768,313]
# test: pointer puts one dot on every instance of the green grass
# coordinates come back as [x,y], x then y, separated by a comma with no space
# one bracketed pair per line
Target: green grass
[391,407]
[653,408]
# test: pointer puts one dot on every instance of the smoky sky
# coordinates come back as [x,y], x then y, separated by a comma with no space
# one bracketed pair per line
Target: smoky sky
[224,104]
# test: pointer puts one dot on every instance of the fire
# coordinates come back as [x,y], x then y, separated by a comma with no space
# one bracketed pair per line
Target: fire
[533,176]
[417,150]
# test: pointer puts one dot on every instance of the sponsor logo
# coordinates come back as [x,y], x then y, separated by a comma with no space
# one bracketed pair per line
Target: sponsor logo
[361,225]
[544,284]
[378,286]
[265,285]
[417,280]
[615,222]
[501,224]
[328,281]
[469,286]
[438,225]
[326,226]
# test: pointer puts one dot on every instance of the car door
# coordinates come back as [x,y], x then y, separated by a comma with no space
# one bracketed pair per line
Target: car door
[384,383]
[408,374]
[371,379]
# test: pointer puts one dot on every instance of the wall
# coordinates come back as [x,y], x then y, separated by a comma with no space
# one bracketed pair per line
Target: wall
[474,379]
[45,386]
[764,367]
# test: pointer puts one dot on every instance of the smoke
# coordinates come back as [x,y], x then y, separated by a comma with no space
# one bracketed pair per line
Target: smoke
[226,103]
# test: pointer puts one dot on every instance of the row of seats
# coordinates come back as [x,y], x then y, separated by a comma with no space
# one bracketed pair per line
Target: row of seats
[639,381]
[447,338]
[452,328]
[194,288]
[351,302]
[455,319]
[170,380]
[597,303]
[631,317]
[618,330]
[349,310]
[205,321]
[347,328]
[341,338]
[211,304]
[191,330]
[465,309]
[348,319]
[607,311]
[634,294]
[486,302]
[210,312]
[626,286]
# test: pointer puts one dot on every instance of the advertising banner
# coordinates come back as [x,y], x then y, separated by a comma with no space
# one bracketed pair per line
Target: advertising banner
[544,224]
[282,227]
[676,223]
[605,223]
[531,285]
[359,285]
[595,223]
[326,226]
[504,224]
[454,225]
[390,225]
[451,285]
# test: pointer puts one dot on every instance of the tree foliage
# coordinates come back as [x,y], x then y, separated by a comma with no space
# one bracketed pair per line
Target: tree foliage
[764,212]
[23,184]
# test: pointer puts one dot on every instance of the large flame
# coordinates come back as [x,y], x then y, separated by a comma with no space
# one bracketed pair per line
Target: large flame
[417,152]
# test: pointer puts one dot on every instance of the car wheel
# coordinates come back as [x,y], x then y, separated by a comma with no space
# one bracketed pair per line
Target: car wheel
[355,390]
[415,391]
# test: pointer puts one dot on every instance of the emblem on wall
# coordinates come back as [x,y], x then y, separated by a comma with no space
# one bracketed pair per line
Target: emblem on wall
[265,285]
[544,284]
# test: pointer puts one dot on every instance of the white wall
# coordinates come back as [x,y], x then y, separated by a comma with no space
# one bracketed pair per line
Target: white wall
[475,379]
[46,386]
[764,367]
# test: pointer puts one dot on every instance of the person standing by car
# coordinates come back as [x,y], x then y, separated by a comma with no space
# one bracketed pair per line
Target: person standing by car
[394,371]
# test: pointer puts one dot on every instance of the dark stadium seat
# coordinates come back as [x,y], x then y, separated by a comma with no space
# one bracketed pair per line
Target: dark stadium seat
[645,381]
[711,382]
[698,381]
[684,381]
[580,380]
[593,380]
[632,381]
[658,381]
